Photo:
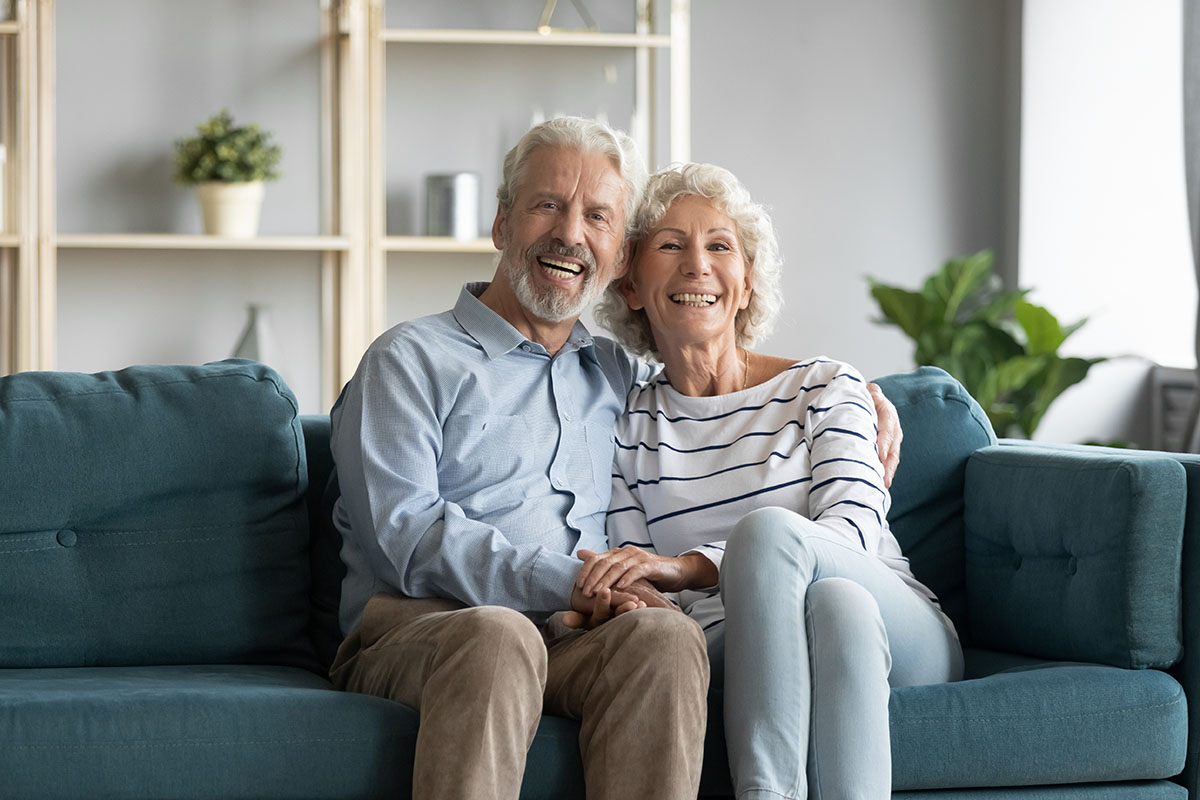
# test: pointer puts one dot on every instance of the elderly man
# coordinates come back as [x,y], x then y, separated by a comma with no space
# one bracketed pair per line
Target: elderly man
[474,451]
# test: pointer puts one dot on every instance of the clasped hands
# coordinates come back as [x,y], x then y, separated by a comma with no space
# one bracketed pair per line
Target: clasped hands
[626,578]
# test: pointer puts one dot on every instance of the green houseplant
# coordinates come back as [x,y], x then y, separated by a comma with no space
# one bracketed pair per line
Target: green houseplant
[228,164]
[1001,347]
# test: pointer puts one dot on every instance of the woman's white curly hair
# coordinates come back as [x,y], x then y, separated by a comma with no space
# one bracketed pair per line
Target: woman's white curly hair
[756,234]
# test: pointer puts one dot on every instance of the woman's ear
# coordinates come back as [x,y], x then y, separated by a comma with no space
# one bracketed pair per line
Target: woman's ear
[625,284]
[629,291]
[748,286]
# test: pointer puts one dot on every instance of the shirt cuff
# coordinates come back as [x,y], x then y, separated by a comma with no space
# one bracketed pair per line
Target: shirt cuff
[552,581]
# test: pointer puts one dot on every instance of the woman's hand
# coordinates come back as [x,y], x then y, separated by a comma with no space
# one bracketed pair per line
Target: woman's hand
[620,567]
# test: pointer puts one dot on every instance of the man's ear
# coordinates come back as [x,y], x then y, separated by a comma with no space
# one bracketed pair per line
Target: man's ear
[499,225]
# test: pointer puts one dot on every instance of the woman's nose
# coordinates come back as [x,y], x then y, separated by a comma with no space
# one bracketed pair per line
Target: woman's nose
[695,263]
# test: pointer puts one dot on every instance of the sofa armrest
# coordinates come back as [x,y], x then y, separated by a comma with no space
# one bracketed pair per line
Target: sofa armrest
[1075,554]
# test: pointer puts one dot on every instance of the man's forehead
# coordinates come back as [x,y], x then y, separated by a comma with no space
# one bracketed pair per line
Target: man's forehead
[562,167]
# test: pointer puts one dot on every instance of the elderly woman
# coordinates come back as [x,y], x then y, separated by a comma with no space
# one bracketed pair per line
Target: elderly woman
[750,484]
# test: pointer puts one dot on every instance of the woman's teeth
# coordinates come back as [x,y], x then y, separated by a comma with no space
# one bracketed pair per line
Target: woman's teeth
[695,300]
[554,265]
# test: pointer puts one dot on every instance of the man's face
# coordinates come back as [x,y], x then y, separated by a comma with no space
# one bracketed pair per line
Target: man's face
[563,240]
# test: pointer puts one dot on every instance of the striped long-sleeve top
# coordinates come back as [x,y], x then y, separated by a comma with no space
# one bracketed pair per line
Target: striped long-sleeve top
[688,468]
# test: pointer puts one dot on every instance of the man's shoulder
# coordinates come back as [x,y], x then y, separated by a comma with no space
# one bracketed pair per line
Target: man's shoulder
[619,363]
[440,327]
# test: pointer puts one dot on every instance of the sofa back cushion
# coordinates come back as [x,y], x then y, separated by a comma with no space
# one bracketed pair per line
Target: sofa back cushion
[153,515]
[942,426]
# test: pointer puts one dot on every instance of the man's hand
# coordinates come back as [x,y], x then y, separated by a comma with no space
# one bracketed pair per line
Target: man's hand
[890,434]
[589,612]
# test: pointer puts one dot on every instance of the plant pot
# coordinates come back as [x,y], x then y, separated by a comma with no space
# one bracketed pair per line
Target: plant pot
[230,209]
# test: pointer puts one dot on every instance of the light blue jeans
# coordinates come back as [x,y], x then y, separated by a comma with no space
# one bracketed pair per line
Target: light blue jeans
[816,632]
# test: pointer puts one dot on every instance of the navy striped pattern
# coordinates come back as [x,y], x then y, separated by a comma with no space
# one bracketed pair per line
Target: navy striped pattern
[688,468]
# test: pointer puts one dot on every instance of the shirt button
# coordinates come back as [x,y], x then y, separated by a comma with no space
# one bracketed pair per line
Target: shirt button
[526,348]
[566,417]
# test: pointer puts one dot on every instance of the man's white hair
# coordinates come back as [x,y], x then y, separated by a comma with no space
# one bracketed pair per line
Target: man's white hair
[755,232]
[587,136]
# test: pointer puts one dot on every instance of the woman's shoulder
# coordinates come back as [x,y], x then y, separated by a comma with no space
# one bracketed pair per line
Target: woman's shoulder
[821,369]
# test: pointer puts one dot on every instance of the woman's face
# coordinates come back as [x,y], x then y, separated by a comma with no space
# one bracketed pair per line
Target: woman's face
[690,275]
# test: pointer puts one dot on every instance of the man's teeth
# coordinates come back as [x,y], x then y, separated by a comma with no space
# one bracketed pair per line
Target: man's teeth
[696,300]
[562,266]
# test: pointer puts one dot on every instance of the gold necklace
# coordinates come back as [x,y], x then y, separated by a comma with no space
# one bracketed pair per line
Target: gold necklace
[745,368]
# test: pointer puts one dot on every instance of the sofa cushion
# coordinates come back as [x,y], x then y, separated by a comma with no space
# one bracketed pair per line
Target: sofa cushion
[225,732]
[152,516]
[942,426]
[1038,723]
[1075,555]
[200,731]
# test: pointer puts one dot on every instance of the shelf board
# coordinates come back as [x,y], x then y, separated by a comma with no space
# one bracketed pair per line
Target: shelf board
[174,241]
[437,244]
[10,28]
[10,240]
[552,39]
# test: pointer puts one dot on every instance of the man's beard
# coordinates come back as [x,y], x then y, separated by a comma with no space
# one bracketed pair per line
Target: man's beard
[551,303]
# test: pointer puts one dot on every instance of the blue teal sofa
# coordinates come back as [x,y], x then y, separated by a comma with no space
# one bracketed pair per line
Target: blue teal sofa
[169,582]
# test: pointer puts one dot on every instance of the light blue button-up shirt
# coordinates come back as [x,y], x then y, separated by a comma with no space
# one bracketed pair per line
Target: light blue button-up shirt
[472,464]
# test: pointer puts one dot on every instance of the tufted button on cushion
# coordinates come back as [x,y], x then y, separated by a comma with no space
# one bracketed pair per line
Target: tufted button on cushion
[67,538]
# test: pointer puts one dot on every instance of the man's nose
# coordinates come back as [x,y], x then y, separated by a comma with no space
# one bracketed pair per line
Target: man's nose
[569,227]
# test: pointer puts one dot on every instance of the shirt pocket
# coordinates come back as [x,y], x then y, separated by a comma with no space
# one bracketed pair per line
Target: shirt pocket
[486,460]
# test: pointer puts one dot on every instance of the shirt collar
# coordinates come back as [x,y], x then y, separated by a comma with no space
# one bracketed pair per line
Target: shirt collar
[497,336]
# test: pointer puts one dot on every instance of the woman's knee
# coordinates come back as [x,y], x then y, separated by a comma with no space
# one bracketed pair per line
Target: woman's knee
[843,616]
[772,539]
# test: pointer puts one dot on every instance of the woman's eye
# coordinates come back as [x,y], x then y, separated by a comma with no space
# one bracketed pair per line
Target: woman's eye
[719,246]
[669,246]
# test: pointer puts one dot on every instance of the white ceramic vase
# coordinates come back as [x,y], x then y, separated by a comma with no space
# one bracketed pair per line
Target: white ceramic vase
[230,209]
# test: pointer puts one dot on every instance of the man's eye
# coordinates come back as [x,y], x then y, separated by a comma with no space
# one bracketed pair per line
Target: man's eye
[596,215]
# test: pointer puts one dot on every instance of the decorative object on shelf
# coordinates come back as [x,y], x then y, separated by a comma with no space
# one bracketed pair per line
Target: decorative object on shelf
[227,165]
[543,26]
[1001,347]
[452,205]
[256,342]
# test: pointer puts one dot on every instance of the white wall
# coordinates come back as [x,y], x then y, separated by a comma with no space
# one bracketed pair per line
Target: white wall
[875,131]
[1104,229]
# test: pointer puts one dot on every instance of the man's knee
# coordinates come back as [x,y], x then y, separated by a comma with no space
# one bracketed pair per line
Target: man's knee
[485,638]
[663,641]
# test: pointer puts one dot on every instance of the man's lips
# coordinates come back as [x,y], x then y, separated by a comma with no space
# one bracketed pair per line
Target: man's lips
[560,267]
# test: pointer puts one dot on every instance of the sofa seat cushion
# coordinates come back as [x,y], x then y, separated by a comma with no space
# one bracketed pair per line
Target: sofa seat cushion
[1037,723]
[224,732]
[204,731]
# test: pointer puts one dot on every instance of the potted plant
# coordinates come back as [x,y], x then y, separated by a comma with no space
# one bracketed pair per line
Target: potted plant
[1002,348]
[227,165]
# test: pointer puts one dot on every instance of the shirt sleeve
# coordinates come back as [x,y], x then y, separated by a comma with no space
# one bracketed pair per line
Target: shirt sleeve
[847,494]
[387,439]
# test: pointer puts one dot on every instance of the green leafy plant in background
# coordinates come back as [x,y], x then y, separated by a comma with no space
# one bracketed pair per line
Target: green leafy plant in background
[222,152]
[1001,347]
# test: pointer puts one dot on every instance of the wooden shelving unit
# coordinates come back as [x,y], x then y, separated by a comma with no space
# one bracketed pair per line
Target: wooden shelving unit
[353,243]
